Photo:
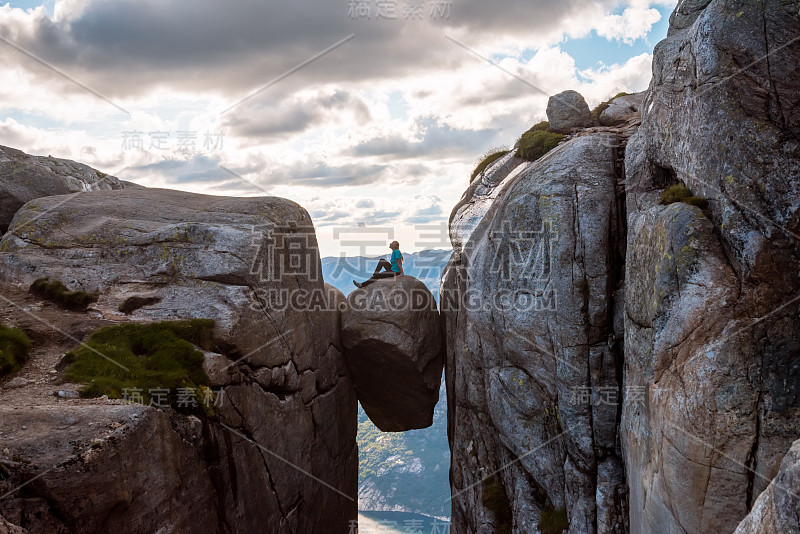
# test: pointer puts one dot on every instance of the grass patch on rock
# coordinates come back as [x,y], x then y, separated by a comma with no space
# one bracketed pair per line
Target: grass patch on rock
[535,143]
[150,356]
[56,292]
[495,499]
[15,347]
[553,521]
[131,304]
[491,157]
[680,193]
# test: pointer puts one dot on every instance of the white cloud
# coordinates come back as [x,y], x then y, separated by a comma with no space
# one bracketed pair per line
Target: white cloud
[389,126]
[634,23]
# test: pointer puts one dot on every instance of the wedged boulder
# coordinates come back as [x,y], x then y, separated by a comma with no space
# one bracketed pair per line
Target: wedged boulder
[712,322]
[622,109]
[24,177]
[776,508]
[568,111]
[394,347]
[283,436]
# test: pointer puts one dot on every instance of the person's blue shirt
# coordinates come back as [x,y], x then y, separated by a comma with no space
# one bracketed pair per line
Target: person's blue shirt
[396,255]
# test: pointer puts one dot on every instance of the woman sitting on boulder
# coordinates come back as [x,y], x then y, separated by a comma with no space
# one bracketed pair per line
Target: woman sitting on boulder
[395,268]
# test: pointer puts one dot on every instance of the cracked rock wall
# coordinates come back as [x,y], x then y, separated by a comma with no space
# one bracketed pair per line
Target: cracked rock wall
[281,455]
[528,298]
[711,324]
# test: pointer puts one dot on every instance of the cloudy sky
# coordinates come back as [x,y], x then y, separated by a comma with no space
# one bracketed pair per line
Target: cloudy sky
[366,112]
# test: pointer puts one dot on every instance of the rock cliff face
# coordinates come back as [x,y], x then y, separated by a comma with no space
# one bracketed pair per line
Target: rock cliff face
[666,364]
[132,473]
[712,329]
[775,510]
[529,298]
[279,455]
[24,177]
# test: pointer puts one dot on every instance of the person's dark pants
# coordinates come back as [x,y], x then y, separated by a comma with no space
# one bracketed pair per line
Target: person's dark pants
[384,266]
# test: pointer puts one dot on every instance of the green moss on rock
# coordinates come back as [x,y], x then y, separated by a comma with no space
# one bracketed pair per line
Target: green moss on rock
[680,193]
[536,143]
[495,499]
[553,521]
[56,292]
[15,347]
[142,357]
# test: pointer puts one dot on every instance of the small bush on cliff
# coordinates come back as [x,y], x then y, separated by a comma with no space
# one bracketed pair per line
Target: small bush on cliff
[56,292]
[495,499]
[680,193]
[143,357]
[553,521]
[491,157]
[14,349]
[536,143]
[543,126]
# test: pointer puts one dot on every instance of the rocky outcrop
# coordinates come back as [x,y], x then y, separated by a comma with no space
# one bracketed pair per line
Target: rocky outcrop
[280,450]
[712,327]
[622,109]
[104,469]
[568,111]
[776,508]
[10,528]
[394,346]
[24,177]
[707,321]
[533,359]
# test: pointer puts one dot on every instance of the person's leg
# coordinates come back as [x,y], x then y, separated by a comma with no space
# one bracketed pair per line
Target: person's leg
[383,265]
[379,276]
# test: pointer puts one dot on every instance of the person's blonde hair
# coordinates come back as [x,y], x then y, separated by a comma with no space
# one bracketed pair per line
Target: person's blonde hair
[394,244]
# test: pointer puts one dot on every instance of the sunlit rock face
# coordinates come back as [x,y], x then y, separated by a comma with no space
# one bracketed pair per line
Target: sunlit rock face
[712,322]
[528,299]
[394,345]
[279,454]
[568,111]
